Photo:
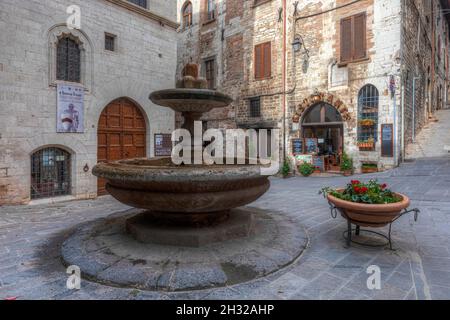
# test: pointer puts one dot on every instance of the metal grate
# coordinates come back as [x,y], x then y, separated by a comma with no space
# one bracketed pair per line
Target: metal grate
[255,107]
[50,173]
[68,64]
[140,3]
[110,42]
[368,101]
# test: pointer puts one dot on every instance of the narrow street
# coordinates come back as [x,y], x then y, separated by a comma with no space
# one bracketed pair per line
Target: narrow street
[433,140]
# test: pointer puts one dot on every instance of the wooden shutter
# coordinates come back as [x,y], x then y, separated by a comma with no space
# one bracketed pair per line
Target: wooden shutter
[263,60]
[267,60]
[259,61]
[359,27]
[346,39]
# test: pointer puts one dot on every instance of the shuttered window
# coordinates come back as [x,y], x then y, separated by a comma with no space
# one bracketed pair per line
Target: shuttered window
[263,60]
[68,64]
[210,73]
[353,38]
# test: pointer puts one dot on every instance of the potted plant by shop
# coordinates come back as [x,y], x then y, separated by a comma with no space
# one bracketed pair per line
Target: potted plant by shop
[306,169]
[347,165]
[285,169]
[369,168]
[367,123]
[368,204]
[368,144]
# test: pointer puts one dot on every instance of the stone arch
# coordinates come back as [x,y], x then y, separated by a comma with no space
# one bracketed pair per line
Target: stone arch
[59,31]
[318,97]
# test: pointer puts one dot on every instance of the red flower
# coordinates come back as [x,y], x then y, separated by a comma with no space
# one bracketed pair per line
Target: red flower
[383,186]
[356,182]
[364,190]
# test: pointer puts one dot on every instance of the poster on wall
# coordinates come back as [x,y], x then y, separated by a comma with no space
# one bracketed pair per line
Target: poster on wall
[163,145]
[387,140]
[70,109]
[311,146]
[297,146]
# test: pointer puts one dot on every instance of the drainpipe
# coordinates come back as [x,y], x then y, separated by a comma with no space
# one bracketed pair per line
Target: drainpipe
[284,79]
[403,123]
[414,110]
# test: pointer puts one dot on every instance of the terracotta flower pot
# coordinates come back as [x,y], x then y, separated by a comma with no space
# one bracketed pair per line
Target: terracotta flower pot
[369,170]
[348,173]
[371,215]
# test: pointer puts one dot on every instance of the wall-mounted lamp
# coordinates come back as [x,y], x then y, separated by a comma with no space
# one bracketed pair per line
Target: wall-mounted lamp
[297,44]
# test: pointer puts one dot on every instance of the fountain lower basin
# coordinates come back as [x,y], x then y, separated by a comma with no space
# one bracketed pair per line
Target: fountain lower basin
[185,195]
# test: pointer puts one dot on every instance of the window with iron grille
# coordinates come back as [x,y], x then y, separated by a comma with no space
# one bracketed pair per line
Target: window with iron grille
[353,38]
[368,101]
[255,107]
[68,60]
[50,173]
[211,9]
[140,3]
[110,42]
[210,72]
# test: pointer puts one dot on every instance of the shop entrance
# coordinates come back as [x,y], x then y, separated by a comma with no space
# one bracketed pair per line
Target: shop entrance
[322,125]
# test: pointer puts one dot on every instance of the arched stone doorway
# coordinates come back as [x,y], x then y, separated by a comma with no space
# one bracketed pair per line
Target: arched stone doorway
[121,134]
[324,123]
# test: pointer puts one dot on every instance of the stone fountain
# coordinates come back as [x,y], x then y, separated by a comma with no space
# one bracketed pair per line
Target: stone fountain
[189,229]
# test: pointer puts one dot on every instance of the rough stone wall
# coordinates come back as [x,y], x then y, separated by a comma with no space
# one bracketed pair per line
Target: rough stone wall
[143,62]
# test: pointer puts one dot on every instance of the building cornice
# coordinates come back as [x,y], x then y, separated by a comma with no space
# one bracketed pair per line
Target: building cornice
[144,12]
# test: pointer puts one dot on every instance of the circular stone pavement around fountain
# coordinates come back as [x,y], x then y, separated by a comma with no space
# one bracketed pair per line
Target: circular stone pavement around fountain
[107,254]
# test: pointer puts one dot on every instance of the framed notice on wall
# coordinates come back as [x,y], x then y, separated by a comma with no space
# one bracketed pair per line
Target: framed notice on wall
[70,109]
[311,146]
[297,146]
[319,163]
[387,140]
[163,145]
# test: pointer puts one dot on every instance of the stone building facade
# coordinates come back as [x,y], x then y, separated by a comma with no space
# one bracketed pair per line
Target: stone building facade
[382,61]
[124,51]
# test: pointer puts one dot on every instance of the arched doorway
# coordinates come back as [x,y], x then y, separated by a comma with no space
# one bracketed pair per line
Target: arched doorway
[121,134]
[323,122]
[50,173]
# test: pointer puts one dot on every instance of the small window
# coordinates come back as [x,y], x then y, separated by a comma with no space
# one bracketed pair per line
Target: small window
[140,3]
[187,15]
[68,60]
[263,60]
[353,38]
[368,100]
[110,42]
[211,9]
[210,73]
[255,107]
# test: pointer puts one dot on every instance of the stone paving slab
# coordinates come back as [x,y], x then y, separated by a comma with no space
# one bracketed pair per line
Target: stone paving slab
[30,237]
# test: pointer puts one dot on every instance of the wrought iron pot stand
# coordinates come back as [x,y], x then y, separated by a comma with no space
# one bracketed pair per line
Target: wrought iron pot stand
[348,234]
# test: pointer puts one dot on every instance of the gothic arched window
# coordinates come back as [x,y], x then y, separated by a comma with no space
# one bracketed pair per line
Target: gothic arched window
[68,60]
[187,14]
[368,101]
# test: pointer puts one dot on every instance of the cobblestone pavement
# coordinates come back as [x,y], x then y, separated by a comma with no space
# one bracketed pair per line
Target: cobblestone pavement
[30,236]
[433,140]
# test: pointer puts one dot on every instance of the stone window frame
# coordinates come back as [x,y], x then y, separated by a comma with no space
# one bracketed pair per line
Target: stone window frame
[254,113]
[115,42]
[58,32]
[216,69]
[188,16]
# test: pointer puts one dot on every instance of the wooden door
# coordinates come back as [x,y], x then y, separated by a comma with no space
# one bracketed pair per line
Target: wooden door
[121,134]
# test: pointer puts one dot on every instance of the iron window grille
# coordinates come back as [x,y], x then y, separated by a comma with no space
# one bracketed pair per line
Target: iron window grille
[255,107]
[68,64]
[368,102]
[140,3]
[50,173]
[110,42]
